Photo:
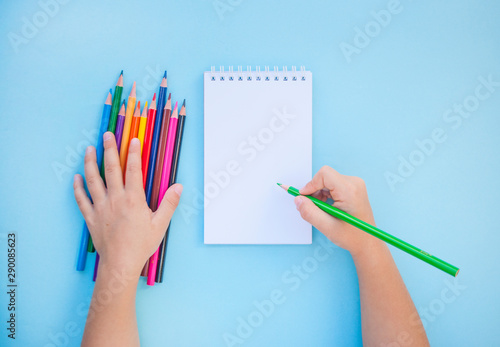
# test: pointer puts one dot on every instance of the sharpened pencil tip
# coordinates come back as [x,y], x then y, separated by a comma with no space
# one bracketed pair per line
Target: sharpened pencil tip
[165,74]
[133,91]
[184,103]
[169,96]
[109,98]
[279,184]
[121,73]
[284,187]
[154,96]
[110,91]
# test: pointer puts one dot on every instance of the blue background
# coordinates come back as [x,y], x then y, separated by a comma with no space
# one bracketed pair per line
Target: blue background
[367,113]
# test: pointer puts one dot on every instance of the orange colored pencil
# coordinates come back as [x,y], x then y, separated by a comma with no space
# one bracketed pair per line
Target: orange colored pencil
[134,129]
[126,128]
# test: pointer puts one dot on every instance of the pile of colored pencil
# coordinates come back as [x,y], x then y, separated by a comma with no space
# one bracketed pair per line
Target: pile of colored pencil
[160,134]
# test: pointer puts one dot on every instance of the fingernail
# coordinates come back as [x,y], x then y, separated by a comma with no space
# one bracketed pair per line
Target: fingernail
[88,150]
[298,202]
[178,189]
[135,142]
[107,136]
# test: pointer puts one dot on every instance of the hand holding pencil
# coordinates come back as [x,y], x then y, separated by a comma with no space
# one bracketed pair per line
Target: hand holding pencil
[349,194]
[353,225]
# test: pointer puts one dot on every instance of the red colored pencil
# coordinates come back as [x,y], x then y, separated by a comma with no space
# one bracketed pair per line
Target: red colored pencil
[146,150]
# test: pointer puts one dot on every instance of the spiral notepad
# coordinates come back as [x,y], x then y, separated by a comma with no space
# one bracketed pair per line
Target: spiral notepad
[258,132]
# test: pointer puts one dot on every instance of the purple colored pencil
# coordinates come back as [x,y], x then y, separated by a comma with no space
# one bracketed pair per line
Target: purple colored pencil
[119,126]
[96,266]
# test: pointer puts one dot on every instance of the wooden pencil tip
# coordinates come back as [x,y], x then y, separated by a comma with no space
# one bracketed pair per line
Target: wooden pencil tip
[182,112]
[168,104]
[175,112]
[282,186]
[137,112]
[163,82]
[120,81]
[108,99]
[133,91]
[122,109]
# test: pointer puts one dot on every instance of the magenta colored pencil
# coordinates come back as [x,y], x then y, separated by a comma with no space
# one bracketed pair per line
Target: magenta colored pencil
[164,183]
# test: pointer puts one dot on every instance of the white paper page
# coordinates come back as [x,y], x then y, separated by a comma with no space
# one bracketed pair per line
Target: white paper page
[257,133]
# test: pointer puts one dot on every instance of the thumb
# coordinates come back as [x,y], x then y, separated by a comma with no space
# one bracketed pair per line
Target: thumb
[168,205]
[312,214]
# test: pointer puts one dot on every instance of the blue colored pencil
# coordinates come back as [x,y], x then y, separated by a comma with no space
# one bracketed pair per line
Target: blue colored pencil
[82,252]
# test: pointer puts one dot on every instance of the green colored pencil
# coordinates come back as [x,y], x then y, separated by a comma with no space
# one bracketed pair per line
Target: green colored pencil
[115,107]
[382,235]
[117,99]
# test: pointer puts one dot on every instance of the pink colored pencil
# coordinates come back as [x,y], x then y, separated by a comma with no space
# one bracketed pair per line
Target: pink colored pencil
[164,184]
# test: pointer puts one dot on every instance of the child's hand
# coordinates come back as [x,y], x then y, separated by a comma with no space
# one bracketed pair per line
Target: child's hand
[124,230]
[349,194]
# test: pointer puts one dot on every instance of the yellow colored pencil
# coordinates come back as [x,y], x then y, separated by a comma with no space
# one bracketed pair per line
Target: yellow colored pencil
[126,128]
[142,125]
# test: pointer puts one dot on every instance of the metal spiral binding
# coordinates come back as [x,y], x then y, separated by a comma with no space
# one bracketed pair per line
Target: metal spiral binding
[257,75]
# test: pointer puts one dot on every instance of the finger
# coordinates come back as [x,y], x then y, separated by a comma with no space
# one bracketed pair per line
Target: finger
[81,197]
[112,168]
[320,194]
[167,207]
[326,177]
[318,218]
[133,174]
[95,184]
